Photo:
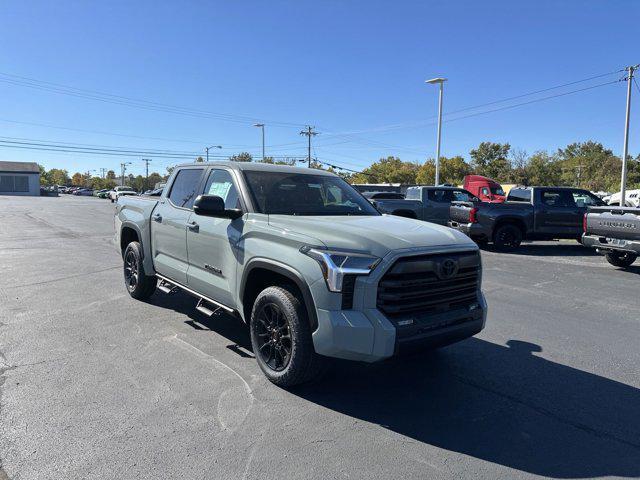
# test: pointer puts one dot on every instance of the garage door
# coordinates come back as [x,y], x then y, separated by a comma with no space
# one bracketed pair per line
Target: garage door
[14,183]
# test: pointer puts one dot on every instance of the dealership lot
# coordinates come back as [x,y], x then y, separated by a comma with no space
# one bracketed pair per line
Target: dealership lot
[97,385]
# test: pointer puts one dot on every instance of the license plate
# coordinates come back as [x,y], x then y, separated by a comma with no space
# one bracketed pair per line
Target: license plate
[617,242]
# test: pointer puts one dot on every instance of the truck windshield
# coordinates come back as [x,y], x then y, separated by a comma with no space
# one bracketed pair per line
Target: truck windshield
[497,190]
[288,193]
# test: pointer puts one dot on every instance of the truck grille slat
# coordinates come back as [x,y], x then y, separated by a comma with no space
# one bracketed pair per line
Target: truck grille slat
[417,285]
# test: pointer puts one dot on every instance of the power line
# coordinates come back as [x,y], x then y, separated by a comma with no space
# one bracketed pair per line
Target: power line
[87,94]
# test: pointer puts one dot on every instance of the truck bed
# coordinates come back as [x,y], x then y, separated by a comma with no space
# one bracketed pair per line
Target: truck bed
[613,222]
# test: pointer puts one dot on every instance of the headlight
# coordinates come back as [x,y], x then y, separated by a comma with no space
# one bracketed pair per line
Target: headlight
[336,264]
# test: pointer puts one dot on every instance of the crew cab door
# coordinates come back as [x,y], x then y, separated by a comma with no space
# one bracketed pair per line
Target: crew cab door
[211,242]
[556,213]
[436,205]
[169,225]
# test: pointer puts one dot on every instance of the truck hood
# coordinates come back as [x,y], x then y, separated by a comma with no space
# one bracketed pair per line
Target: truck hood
[374,234]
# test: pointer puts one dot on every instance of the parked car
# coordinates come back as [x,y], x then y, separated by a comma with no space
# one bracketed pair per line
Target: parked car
[383,196]
[485,188]
[118,191]
[615,232]
[307,262]
[98,192]
[430,204]
[85,192]
[631,198]
[532,213]
[103,193]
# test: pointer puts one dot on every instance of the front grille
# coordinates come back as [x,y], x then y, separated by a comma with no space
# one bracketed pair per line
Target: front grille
[420,285]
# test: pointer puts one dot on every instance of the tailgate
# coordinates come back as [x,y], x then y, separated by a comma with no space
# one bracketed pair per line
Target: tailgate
[459,212]
[621,223]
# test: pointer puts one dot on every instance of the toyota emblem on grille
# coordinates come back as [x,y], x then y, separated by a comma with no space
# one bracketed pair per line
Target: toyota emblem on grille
[447,268]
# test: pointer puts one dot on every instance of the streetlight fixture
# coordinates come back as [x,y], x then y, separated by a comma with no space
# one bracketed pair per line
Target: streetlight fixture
[440,81]
[261,125]
[212,146]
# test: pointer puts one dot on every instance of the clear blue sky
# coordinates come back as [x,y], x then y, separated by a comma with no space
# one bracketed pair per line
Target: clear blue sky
[343,66]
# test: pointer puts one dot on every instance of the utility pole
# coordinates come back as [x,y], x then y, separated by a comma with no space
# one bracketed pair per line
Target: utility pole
[102,172]
[146,182]
[625,147]
[309,133]
[261,125]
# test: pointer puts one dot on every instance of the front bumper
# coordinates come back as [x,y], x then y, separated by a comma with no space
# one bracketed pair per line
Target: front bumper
[364,333]
[607,244]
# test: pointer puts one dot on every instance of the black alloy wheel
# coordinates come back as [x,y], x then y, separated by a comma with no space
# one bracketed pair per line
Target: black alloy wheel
[131,272]
[273,337]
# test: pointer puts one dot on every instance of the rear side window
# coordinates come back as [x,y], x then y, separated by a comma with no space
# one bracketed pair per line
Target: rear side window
[183,190]
[557,198]
[413,194]
[462,196]
[519,195]
[441,196]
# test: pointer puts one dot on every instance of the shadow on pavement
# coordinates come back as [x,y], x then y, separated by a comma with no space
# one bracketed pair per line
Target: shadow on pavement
[502,404]
[557,249]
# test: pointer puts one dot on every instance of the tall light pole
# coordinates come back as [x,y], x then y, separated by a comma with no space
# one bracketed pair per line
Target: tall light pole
[625,147]
[123,169]
[212,146]
[439,81]
[261,125]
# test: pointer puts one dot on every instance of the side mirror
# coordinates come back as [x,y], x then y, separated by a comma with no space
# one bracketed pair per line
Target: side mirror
[213,206]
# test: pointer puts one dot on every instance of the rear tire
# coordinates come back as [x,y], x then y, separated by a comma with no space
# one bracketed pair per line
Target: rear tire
[138,284]
[621,259]
[507,237]
[281,339]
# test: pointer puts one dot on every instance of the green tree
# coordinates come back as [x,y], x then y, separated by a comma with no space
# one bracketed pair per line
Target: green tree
[242,157]
[590,165]
[111,175]
[452,170]
[491,160]
[77,180]
[154,179]
[199,159]
[389,170]
[542,169]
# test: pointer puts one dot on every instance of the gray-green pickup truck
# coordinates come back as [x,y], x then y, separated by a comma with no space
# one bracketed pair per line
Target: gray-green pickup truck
[303,259]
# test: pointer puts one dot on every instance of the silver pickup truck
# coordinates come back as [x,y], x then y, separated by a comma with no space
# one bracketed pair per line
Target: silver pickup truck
[305,260]
[614,232]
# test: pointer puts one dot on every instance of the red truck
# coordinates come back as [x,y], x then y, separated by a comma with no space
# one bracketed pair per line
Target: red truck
[486,189]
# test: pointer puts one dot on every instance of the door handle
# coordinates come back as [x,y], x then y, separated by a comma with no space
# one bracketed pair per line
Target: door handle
[193,226]
[157,218]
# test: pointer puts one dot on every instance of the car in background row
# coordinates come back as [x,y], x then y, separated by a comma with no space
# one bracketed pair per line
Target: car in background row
[119,191]
[631,199]
[430,204]
[615,232]
[531,213]
[383,195]
[85,192]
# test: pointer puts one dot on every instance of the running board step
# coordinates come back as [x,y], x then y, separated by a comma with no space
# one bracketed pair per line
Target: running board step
[167,287]
[206,308]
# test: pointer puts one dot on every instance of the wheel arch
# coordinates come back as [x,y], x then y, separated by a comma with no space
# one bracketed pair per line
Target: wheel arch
[261,273]
[515,221]
[129,232]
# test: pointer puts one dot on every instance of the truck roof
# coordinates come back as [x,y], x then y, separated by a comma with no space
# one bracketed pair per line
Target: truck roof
[259,167]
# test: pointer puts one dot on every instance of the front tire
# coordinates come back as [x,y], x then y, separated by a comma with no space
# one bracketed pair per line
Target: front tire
[281,339]
[138,284]
[507,237]
[621,259]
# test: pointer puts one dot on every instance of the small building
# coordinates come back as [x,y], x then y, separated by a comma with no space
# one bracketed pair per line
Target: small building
[19,178]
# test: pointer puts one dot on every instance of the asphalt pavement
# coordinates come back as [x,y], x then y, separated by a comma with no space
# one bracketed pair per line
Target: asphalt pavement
[96,385]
